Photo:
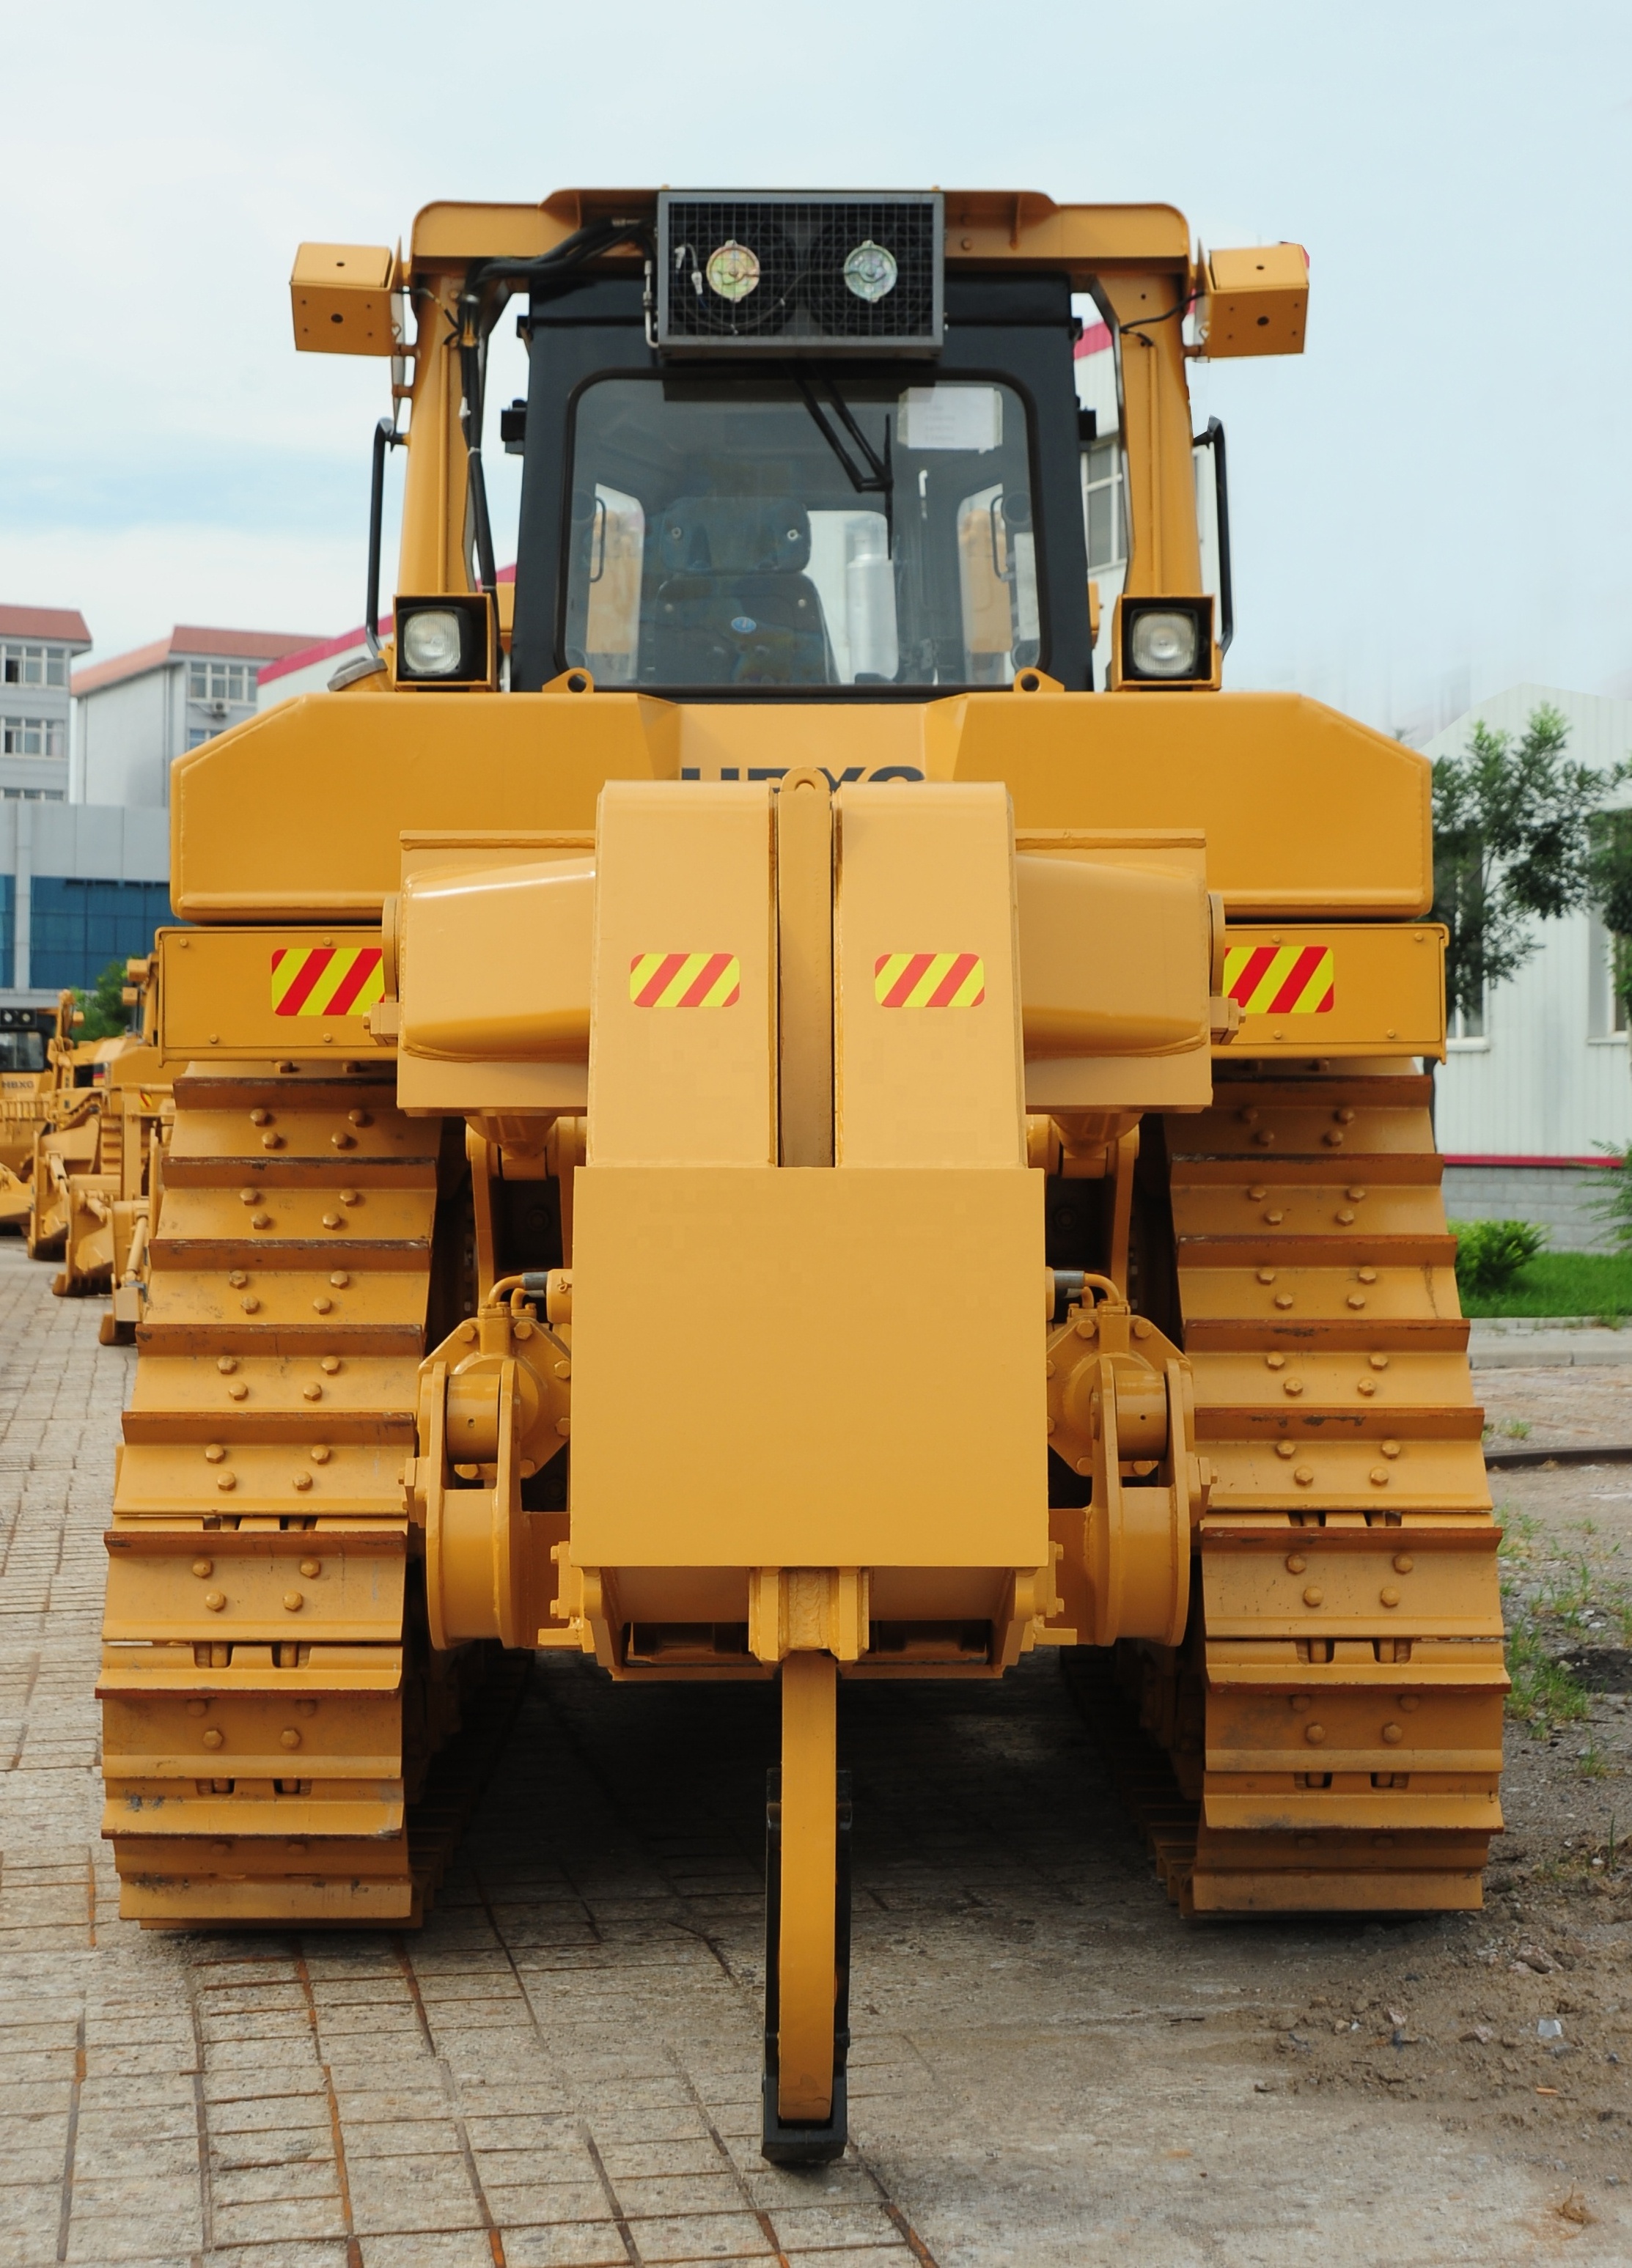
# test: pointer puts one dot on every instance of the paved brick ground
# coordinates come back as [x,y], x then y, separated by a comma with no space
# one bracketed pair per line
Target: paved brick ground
[561,2070]
[503,2088]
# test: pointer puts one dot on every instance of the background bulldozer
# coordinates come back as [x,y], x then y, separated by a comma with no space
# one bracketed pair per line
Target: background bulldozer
[38,1069]
[742,1112]
[96,1170]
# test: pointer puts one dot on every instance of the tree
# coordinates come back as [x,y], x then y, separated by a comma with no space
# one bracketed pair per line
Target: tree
[105,1015]
[1519,832]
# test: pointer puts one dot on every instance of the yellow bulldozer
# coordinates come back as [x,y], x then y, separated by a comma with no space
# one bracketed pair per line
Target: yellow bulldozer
[39,1057]
[96,1169]
[747,1107]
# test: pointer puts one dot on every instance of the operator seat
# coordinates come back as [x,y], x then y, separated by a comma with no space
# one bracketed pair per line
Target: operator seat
[734,605]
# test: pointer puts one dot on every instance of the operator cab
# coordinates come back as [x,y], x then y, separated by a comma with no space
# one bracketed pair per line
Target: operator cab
[812,469]
[23,1036]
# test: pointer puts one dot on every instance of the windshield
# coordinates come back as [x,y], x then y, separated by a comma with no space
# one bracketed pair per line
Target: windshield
[21,1051]
[800,531]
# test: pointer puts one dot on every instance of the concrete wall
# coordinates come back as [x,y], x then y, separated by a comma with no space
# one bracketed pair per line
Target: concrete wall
[127,737]
[1558,1198]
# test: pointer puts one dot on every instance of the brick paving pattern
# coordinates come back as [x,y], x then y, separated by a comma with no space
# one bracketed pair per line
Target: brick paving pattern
[560,2071]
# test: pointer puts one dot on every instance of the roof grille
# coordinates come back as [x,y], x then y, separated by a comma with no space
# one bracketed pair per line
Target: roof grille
[840,271]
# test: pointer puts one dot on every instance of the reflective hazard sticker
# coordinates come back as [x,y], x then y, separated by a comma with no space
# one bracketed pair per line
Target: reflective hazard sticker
[1280,980]
[929,980]
[326,980]
[685,980]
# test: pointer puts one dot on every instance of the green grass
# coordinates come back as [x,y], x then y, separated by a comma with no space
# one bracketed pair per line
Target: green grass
[1597,1283]
[1519,1531]
[1544,1695]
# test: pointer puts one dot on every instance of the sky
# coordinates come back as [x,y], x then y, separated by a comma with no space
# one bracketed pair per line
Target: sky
[1433,503]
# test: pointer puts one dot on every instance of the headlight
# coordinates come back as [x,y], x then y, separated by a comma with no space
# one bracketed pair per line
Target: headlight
[1161,644]
[433,644]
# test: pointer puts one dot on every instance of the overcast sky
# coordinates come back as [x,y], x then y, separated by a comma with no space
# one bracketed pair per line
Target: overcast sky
[1435,496]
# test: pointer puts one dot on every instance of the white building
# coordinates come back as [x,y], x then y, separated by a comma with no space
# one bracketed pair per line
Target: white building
[136,714]
[310,666]
[1536,1084]
[80,885]
[38,647]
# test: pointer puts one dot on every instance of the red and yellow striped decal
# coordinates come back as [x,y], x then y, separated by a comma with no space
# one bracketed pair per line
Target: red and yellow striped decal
[929,980]
[685,980]
[326,980]
[1280,980]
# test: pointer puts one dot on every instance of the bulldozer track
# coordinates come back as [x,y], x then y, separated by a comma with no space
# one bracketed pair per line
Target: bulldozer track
[1333,1724]
[271,1703]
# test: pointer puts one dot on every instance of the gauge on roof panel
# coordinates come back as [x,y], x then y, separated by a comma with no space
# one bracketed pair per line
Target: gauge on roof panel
[870,272]
[732,271]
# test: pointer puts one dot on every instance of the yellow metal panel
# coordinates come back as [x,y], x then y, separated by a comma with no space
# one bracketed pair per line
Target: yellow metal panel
[436,1089]
[494,964]
[1256,302]
[1113,960]
[227,994]
[684,1075]
[866,1428]
[732,739]
[1121,1082]
[340,295]
[1305,811]
[335,782]
[1019,225]
[1375,990]
[299,813]
[923,872]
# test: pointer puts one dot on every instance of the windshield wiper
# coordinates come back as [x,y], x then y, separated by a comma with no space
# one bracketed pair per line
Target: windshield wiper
[875,475]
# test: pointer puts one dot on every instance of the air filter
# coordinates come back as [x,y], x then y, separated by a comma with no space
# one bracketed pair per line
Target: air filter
[838,271]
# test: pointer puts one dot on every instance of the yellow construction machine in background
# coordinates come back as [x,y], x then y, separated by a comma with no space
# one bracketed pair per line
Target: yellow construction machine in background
[742,1112]
[38,1060]
[96,1167]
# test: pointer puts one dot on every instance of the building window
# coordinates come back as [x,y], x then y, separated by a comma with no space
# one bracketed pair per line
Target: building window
[33,795]
[1609,972]
[33,665]
[33,736]
[76,928]
[1466,1026]
[1102,505]
[222,680]
[197,734]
